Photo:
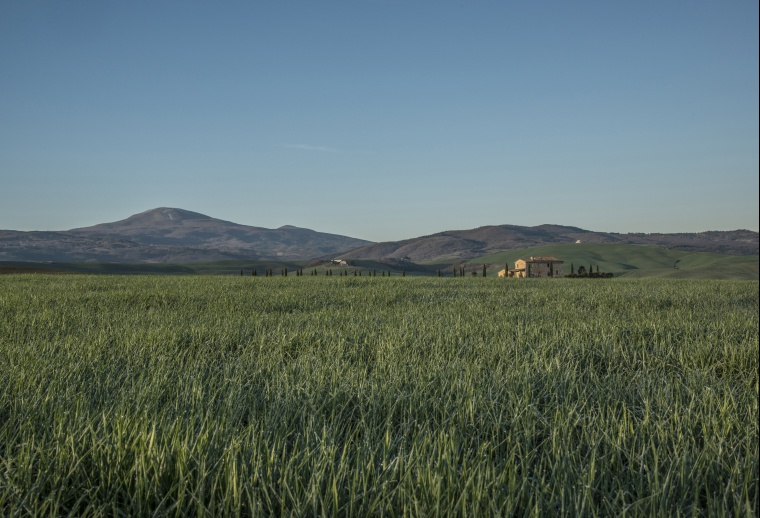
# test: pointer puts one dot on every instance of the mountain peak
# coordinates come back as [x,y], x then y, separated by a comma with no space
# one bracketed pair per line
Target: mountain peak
[175,229]
[168,213]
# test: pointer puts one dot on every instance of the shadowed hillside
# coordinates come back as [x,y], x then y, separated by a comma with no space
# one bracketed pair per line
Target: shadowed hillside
[169,235]
[177,227]
[464,244]
[467,244]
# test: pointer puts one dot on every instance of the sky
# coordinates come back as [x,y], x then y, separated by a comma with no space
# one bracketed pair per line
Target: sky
[381,119]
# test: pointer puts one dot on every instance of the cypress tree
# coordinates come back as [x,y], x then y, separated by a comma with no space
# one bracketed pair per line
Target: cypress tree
[484,270]
[572,269]
[403,273]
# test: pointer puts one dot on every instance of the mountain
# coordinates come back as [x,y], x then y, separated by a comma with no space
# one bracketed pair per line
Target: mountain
[177,227]
[65,247]
[468,244]
[172,235]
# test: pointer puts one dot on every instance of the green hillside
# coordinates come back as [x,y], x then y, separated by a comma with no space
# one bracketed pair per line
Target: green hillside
[637,261]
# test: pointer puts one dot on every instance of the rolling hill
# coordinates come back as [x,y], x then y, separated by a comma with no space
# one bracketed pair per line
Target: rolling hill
[635,261]
[178,236]
[171,235]
[467,244]
[183,228]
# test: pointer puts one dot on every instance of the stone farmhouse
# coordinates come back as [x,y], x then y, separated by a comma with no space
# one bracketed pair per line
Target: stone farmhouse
[542,266]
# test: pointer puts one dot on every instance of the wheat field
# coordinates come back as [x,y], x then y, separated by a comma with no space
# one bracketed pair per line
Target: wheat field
[343,396]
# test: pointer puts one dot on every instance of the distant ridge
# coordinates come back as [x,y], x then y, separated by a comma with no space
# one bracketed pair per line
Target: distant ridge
[168,234]
[468,244]
[174,235]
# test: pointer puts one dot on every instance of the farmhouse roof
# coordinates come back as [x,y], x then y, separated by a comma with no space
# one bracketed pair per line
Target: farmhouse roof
[542,259]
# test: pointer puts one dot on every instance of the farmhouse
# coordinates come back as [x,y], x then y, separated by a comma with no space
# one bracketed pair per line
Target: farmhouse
[542,266]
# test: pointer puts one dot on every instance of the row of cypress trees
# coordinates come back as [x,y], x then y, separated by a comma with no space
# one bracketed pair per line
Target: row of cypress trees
[456,272]
[269,272]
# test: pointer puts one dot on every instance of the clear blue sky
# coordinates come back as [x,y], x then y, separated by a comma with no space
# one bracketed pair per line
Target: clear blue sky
[381,119]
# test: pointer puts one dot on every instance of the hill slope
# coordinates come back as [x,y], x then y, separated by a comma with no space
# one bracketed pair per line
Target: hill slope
[174,235]
[636,261]
[171,235]
[467,244]
[177,227]
[66,247]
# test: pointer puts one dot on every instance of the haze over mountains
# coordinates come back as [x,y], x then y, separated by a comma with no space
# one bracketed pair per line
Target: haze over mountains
[171,235]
